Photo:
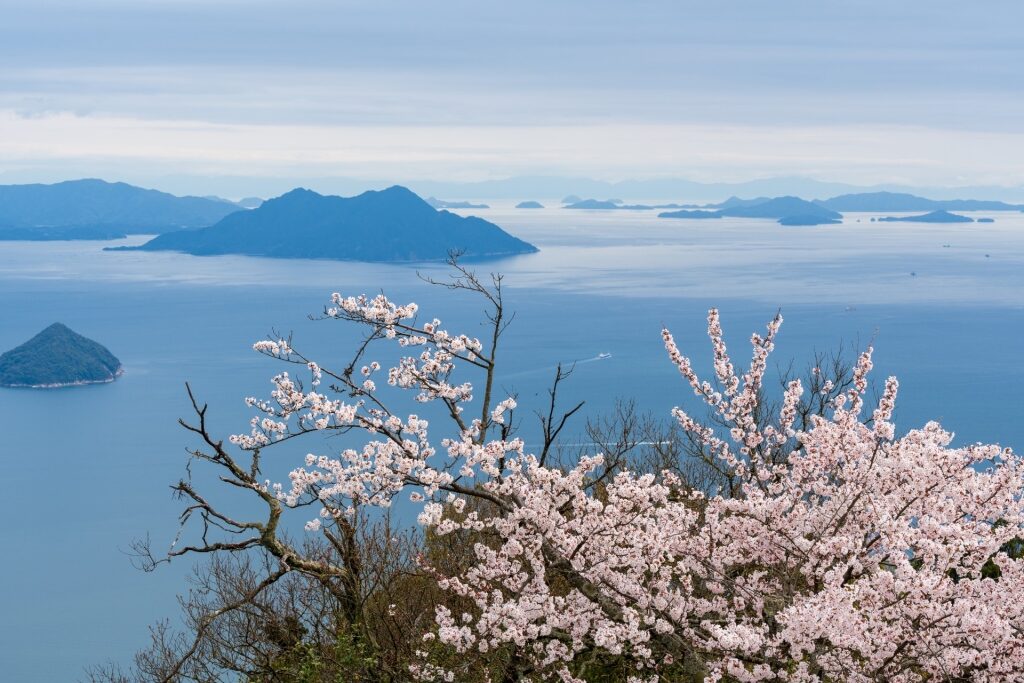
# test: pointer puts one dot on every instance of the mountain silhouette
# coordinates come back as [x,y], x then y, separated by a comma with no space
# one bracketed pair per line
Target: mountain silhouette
[92,207]
[901,201]
[387,225]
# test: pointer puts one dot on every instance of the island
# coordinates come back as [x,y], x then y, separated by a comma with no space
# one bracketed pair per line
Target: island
[442,204]
[58,357]
[735,201]
[95,209]
[690,214]
[606,204]
[529,205]
[808,220]
[386,225]
[571,199]
[901,201]
[933,217]
[986,220]
[780,207]
[786,210]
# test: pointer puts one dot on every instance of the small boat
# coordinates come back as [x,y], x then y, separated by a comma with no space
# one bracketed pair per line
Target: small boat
[602,356]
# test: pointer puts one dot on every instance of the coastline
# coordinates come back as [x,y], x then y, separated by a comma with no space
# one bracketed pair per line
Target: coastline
[63,385]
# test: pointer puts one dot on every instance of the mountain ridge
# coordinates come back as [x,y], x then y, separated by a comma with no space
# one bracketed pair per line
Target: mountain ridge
[91,204]
[787,210]
[393,224]
[903,201]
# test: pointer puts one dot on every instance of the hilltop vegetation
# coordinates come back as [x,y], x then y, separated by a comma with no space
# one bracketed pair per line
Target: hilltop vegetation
[788,529]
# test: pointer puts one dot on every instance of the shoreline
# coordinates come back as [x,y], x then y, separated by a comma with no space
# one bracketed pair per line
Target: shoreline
[64,385]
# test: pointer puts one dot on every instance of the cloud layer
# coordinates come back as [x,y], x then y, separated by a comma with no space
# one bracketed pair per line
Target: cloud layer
[918,93]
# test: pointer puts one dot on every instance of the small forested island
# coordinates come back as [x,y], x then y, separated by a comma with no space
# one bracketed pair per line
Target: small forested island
[933,217]
[529,205]
[386,225]
[58,357]
[442,204]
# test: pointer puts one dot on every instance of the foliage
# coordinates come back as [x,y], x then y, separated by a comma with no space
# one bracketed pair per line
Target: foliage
[800,540]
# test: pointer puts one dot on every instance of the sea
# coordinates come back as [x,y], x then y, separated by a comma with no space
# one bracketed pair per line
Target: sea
[86,471]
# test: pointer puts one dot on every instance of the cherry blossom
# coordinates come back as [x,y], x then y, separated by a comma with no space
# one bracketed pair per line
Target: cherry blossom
[840,552]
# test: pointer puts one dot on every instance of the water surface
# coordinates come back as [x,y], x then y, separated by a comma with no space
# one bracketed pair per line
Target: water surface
[87,469]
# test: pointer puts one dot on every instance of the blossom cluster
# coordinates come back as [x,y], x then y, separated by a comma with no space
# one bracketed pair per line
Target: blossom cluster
[841,553]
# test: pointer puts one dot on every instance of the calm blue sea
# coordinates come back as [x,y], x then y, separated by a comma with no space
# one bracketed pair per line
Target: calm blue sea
[86,470]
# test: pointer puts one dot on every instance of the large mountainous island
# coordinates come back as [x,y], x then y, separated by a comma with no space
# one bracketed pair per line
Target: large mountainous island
[96,209]
[386,225]
[58,357]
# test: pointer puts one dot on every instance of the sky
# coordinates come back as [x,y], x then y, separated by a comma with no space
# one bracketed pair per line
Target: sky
[914,92]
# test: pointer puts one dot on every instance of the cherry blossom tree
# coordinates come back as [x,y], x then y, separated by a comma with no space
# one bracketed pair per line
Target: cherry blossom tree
[825,547]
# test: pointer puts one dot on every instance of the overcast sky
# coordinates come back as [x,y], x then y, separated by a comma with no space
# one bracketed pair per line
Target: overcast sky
[919,92]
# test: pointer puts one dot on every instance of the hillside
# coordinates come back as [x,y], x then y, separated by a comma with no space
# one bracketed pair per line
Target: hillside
[91,206]
[58,357]
[386,225]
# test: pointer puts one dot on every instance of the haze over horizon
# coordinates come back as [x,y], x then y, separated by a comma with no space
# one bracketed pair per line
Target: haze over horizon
[223,95]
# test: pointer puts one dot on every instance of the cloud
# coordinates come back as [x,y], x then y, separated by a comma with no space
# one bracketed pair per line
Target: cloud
[865,154]
[861,92]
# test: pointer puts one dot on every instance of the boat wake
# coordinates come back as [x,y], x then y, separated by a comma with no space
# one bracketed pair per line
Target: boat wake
[565,366]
